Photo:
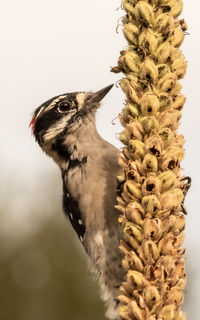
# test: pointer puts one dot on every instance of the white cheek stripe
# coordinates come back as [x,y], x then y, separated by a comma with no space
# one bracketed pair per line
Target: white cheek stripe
[54,130]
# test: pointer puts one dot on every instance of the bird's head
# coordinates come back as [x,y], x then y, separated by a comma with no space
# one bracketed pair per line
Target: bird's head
[61,114]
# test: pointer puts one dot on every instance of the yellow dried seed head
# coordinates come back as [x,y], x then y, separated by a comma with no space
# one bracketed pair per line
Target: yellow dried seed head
[167,312]
[165,100]
[132,61]
[127,5]
[136,262]
[174,296]
[147,41]
[149,123]
[149,71]
[135,130]
[124,84]
[124,299]
[133,94]
[177,152]
[165,23]
[133,215]
[129,238]
[175,54]
[179,140]
[122,161]
[154,145]
[180,223]
[151,204]
[144,13]
[179,67]
[169,161]
[151,296]
[167,245]
[167,180]
[168,264]
[133,188]
[133,174]
[163,52]
[149,104]
[150,162]
[151,185]
[153,192]
[152,229]
[150,251]
[163,69]
[137,279]
[179,102]
[176,38]
[131,33]
[137,147]
[132,110]
[176,7]
[123,312]
[166,135]
[124,138]
[133,79]
[136,311]
[170,119]
[126,266]
[125,197]
[171,199]
[120,178]
[168,82]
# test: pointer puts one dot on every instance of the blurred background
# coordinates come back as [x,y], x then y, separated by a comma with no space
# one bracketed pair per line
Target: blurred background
[47,48]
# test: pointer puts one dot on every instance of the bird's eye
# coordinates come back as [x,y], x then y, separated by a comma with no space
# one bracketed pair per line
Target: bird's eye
[64,106]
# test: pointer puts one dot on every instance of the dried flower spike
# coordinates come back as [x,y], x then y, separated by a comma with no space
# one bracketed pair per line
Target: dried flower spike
[152,199]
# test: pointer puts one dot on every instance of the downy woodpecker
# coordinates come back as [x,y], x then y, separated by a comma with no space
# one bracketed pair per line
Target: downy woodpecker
[65,129]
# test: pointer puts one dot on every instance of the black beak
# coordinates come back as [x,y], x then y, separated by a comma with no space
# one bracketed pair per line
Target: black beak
[99,95]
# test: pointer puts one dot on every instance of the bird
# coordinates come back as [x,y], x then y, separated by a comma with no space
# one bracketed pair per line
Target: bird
[65,129]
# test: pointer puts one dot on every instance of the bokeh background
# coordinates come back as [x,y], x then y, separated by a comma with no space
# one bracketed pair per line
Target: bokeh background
[47,48]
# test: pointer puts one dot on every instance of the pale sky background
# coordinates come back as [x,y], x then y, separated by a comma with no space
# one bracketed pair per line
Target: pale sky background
[52,47]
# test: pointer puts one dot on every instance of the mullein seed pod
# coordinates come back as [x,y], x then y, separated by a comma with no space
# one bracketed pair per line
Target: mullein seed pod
[165,24]
[178,102]
[163,52]
[166,135]
[153,190]
[124,137]
[154,145]
[167,180]
[131,110]
[150,163]
[137,147]
[167,312]
[151,204]
[149,123]
[149,71]
[133,189]
[147,41]
[127,5]
[144,13]
[149,104]
[131,33]
[151,185]
[151,296]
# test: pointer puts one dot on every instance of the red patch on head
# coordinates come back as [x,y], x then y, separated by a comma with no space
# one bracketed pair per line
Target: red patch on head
[32,124]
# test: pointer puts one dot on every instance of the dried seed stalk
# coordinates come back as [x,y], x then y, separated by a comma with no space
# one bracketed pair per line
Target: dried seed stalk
[152,186]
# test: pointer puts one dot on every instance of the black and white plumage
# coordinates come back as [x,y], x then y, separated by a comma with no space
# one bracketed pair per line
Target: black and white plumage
[65,129]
